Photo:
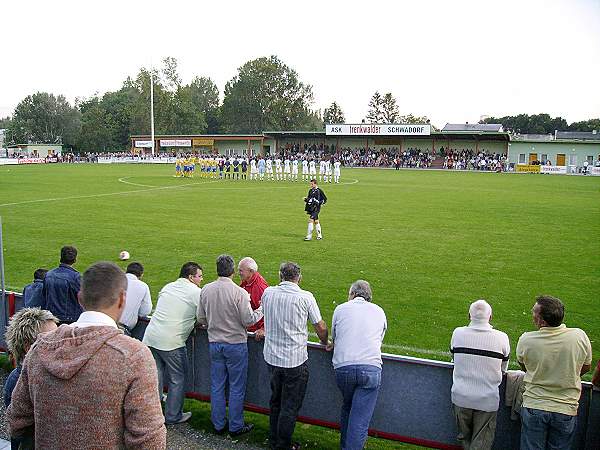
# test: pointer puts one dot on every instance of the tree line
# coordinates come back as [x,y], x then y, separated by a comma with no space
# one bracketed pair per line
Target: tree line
[265,94]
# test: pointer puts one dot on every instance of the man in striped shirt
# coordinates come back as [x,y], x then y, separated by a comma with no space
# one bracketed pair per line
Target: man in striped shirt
[480,357]
[286,310]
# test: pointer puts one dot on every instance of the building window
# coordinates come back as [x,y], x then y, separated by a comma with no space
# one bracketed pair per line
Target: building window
[590,159]
[572,160]
[521,158]
[544,158]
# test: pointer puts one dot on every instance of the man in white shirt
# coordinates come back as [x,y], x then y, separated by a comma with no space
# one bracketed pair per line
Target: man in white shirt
[304,169]
[269,170]
[138,302]
[322,170]
[328,171]
[357,330]
[480,358]
[170,326]
[294,169]
[287,170]
[286,310]
[278,169]
[312,169]
[336,171]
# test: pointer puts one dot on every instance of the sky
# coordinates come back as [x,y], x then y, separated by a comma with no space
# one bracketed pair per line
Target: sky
[453,61]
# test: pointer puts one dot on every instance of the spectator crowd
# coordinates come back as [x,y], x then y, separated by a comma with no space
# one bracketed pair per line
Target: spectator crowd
[75,359]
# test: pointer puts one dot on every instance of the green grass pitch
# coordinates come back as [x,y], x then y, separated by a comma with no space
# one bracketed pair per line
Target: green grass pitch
[429,242]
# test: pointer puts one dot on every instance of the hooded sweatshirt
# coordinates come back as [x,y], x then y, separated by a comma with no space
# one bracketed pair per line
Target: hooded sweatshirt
[87,388]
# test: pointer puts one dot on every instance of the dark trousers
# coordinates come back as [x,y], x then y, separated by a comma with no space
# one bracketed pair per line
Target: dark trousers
[288,387]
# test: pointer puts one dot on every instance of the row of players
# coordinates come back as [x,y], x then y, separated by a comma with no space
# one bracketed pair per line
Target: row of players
[260,168]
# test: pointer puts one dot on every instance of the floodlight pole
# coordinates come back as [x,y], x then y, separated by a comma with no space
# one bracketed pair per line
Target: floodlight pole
[152,107]
[2,286]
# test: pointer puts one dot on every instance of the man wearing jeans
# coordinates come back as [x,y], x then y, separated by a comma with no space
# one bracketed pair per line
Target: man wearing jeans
[554,358]
[226,311]
[169,327]
[287,308]
[357,331]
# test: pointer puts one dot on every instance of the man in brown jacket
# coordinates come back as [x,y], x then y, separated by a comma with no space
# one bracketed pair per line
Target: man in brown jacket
[86,384]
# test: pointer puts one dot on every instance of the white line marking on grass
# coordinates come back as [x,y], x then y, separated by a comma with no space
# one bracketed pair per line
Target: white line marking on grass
[123,180]
[108,194]
[351,182]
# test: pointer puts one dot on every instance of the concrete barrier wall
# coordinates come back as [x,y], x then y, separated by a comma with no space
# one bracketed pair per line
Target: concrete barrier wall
[413,406]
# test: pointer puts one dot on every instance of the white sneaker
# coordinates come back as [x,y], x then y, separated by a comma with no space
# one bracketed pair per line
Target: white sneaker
[319,238]
[308,238]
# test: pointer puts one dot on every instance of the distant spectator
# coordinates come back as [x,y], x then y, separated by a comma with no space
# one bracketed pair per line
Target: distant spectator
[254,283]
[481,356]
[357,331]
[287,308]
[554,358]
[61,286]
[21,333]
[32,293]
[225,308]
[139,302]
[86,384]
[171,324]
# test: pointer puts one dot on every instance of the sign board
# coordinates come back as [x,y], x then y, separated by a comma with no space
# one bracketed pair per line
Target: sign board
[8,161]
[375,129]
[531,168]
[595,171]
[32,160]
[143,144]
[553,169]
[203,142]
[175,142]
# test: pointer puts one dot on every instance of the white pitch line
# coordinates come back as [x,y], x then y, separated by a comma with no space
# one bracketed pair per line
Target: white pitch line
[123,180]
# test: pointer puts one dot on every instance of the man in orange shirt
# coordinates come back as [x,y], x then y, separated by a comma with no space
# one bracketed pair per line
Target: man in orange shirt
[255,285]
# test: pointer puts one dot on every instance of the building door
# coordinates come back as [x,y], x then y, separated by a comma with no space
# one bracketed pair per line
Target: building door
[560,159]
[532,157]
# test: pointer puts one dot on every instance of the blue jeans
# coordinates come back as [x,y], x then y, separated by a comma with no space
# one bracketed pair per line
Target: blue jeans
[541,430]
[228,362]
[174,364]
[359,385]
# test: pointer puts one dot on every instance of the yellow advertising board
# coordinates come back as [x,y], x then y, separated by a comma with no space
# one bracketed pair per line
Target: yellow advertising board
[531,168]
[203,142]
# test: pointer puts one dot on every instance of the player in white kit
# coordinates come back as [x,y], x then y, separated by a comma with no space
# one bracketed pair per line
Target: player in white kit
[295,169]
[304,169]
[287,170]
[328,171]
[312,169]
[336,171]
[253,170]
[269,170]
[278,169]
[322,169]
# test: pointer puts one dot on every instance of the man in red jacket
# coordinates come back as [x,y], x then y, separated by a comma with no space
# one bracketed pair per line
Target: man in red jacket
[255,285]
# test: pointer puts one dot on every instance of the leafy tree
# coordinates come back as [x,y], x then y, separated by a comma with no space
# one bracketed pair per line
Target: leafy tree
[389,109]
[4,122]
[375,114]
[205,96]
[585,125]
[334,114]
[410,119]
[526,124]
[45,118]
[266,94]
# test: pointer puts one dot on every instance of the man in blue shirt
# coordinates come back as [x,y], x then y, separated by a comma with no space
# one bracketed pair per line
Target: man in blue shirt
[61,286]
[32,293]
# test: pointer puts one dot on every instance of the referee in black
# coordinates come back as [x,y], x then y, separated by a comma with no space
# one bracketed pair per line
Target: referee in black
[314,200]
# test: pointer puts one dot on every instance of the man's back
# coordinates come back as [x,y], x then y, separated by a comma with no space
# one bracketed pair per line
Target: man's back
[59,294]
[480,356]
[174,317]
[138,302]
[226,307]
[287,308]
[553,357]
[89,387]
